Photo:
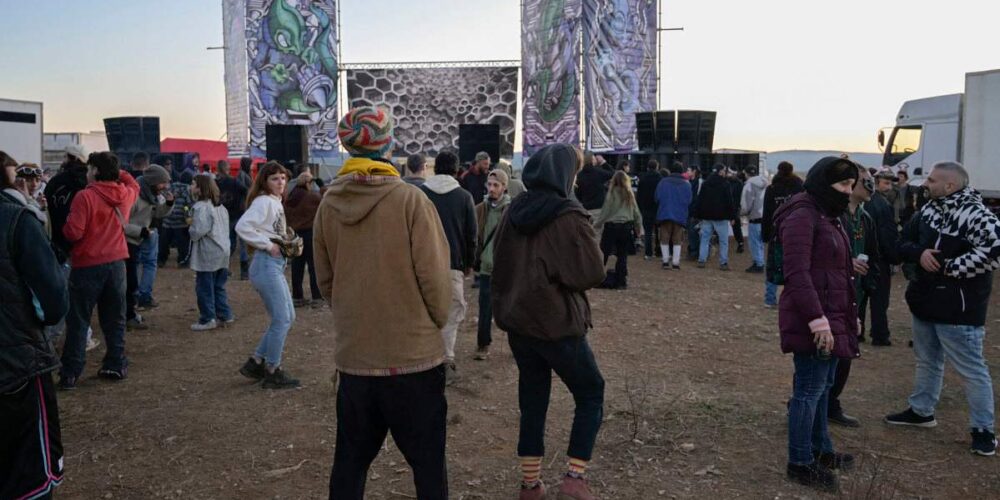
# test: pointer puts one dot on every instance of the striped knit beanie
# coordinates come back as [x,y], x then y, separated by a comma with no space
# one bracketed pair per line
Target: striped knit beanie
[366,132]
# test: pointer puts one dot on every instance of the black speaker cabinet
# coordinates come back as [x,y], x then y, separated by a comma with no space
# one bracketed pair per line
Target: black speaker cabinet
[286,144]
[645,130]
[665,137]
[131,134]
[695,131]
[706,131]
[473,138]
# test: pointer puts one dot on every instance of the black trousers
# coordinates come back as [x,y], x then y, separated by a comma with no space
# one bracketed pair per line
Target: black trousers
[299,267]
[31,452]
[738,231]
[650,241]
[484,335]
[413,408]
[880,304]
[131,280]
[618,239]
[839,382]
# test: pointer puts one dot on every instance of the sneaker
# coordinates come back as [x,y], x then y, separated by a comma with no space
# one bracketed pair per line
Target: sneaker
[984,443]
[843,419]
[813,475]
[574,488]
[536,492]
[450,373]
[881,342]
[67,383]
[145,305]
[279,380]
[647,257]
[92,343]
[115,374]
[835,461]
[909,417]
[723,267]
[665,266]
[253,369]
[224,322]
[677,267]
[701,265]
[300,303]
[136,323]
[202,327]
[482,353]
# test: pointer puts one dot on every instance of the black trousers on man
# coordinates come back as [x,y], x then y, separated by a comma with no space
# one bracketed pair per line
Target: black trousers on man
[131,280]
[839,382]
[880,304]
[413,408]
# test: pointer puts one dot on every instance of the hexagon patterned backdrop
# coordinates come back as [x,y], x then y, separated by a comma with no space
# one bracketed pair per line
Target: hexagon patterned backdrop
[429,104]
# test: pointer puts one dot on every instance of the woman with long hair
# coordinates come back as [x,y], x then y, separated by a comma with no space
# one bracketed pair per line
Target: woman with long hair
[622,224]
[264,229]
[210,254]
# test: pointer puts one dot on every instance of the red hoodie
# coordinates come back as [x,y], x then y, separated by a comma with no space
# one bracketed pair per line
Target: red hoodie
[95,232]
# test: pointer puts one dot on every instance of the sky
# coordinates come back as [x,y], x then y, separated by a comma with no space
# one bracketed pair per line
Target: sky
[782,74]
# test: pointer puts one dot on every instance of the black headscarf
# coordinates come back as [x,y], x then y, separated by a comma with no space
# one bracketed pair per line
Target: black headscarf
[548,177]
[819,183]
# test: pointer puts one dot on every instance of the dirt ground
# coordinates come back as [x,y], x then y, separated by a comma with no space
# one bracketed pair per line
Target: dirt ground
[694,406]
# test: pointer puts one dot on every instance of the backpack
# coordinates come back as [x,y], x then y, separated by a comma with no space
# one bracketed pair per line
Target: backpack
[775,256]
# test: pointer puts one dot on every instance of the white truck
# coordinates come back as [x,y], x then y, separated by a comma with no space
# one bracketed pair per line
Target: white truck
[957,127]
[21,130]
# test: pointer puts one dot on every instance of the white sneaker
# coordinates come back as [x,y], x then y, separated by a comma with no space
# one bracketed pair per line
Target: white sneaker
[92,343]
[201,327]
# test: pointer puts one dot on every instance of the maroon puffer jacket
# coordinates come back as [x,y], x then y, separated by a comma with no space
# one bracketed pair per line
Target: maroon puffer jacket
[819,279]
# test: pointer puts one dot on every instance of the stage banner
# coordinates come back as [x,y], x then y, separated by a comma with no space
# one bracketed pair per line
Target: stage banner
[292,59]
[235,75]
[550,74]
[428,104]
[619,60]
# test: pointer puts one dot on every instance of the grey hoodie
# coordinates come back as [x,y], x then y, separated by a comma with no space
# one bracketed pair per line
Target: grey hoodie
[752,202]
[209,237]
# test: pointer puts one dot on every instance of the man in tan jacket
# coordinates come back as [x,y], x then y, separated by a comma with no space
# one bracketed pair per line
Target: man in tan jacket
[382,262]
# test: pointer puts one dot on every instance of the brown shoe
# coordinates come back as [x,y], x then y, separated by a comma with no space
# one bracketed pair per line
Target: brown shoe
[573,488]
[536,493]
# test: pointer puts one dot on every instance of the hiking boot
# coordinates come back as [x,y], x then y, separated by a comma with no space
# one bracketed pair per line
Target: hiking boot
[755,269]
[300,303]
[723,267]
[813,475]
[136,323]
[843,419]
[450,373]
[253,369]
[536,492]
[202,327]
[909,417]
[835,461]
[278,379]
[482,353]
[574,488]
[701,265]
[67,383]
[114,374]
[145,305]
[984,443]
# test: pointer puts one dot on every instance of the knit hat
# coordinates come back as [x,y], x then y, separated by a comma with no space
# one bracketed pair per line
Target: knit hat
[482,155]
[366,131]
[78,151]
[500,176]
[156,175]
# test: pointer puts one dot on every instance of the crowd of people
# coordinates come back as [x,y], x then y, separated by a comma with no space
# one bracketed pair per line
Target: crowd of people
[389,250]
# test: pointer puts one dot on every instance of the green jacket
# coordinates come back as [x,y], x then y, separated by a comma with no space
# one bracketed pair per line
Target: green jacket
[619,210]
[488,217]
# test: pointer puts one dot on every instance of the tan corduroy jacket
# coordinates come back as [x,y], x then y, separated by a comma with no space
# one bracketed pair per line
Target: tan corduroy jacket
[382,261]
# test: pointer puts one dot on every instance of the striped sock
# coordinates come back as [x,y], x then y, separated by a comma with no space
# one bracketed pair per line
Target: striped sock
[531,471]
[577,467]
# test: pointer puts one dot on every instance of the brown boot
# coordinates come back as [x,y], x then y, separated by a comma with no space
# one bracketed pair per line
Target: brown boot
[574,488]
[536,493]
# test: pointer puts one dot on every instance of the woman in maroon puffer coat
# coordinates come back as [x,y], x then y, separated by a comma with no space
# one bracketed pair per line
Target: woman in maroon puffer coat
[817,313]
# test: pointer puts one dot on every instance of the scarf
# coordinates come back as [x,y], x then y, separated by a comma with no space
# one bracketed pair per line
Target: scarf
[367,167]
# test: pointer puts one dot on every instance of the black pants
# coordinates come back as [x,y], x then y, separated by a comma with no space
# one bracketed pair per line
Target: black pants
[131,280]
[574,363]
[880,304]
[839,382]
[738,231]
[101,286]
[299,267]
[649,239]
[413,408]
[484,336]
[178,237]
[31,452]
[618,239]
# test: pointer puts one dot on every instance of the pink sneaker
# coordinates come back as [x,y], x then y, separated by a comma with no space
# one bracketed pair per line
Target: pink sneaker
[536,493]
[573,488]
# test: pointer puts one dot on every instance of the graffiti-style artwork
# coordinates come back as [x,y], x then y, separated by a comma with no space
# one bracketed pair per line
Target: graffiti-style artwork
[619,43]
[292,61]
[550,72]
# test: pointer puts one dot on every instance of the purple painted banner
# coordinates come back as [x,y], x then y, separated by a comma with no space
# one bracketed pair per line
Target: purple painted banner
[550,73]
[619,60]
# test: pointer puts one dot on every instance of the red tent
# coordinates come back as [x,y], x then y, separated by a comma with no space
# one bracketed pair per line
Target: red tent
[209,151]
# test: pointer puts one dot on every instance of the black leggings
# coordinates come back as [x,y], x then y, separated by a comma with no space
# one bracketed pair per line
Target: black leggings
[299,267]
[618,240]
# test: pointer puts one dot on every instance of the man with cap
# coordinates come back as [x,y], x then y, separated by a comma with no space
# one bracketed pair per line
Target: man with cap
[488,215]
[474,179]
[154,202]
[59,194]
[881,211]
[382,262]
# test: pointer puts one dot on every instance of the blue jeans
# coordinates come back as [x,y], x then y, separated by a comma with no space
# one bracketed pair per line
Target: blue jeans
[770,293]
[102,286]
[267,274]
[149,251]
[210,287]
[721,228]
[756,244]
[963,346]
[807,425]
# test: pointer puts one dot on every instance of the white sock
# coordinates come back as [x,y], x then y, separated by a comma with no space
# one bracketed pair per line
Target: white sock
[665,250]
[677,255]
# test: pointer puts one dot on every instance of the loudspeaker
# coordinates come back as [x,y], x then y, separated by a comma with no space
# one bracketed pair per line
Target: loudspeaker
[695,131]
[645,130]
[130,134]
[665,137]
[286,144]
[473,138]
[706,131]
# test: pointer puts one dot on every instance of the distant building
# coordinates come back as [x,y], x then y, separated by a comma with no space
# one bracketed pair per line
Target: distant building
[54,145]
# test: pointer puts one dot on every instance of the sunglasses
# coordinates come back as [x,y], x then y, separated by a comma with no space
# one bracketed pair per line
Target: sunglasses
[28,171]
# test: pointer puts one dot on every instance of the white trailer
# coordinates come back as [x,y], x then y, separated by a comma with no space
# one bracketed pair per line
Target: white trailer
[21,130]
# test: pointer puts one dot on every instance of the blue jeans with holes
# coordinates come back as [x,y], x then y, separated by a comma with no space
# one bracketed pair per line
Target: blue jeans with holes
[756,244]
[210,287]
[807,425]
[962,346]
[149,251]
[267,274]
[721,228]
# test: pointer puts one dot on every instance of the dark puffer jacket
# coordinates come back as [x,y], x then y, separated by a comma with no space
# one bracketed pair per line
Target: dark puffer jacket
[715,200]
[28,269]
[819,279]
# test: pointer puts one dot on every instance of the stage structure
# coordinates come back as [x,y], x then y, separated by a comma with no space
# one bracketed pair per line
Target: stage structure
[237,110]
[550,74]
[619,60]
[292,64]
[430,100]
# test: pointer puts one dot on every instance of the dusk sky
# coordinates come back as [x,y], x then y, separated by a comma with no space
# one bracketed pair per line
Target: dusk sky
[782,74]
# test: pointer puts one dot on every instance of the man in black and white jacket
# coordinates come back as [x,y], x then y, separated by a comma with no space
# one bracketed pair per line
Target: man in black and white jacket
[955,242]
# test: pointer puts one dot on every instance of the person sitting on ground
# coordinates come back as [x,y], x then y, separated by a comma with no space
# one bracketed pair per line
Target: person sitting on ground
[673,199]
[546,257]
[210,254]
[488,216]
[622,225]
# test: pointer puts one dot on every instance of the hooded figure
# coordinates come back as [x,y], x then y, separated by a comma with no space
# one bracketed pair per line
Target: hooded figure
[515,187]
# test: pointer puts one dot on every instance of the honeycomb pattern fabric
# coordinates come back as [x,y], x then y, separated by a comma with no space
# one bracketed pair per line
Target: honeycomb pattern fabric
[428,104]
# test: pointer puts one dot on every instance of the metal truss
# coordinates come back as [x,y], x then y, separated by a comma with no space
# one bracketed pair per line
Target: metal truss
[434,64]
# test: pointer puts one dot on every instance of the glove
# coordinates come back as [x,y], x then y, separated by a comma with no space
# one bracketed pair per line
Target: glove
[144,233]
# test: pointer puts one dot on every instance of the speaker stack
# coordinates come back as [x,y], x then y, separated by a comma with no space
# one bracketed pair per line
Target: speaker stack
[695,131]
[473,138]
[128,135]
[286,144]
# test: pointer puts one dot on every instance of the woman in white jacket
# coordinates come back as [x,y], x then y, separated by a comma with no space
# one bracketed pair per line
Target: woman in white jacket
[209,254]
[260,226]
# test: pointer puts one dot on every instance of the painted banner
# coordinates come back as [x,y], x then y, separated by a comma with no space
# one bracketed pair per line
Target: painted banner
[292,62]
[235,67]
[619,44]
[428,104]
[550,73]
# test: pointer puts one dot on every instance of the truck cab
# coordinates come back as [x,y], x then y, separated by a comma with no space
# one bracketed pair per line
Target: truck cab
[927,131]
